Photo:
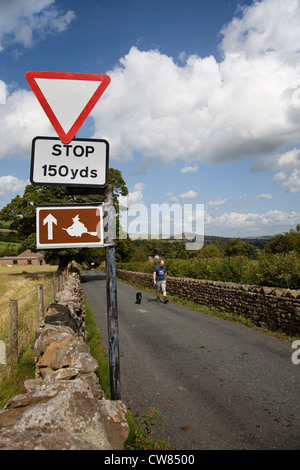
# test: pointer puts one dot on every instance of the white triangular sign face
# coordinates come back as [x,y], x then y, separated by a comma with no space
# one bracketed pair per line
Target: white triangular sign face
[67,98]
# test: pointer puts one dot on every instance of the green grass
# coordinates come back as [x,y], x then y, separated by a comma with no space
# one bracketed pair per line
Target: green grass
[97,351]
[142,435]
[13,381]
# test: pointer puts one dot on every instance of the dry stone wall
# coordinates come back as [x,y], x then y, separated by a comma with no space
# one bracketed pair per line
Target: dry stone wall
[268,307]
[64,407]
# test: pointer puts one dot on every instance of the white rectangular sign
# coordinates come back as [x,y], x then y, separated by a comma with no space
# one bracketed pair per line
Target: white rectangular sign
[82,162]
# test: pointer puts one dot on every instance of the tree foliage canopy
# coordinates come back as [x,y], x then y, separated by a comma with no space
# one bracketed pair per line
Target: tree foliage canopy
[285,242]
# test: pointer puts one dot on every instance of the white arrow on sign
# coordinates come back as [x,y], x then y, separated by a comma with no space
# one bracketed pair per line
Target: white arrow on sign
[50,220]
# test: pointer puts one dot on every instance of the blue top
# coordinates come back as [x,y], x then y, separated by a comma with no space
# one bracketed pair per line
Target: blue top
[160,273]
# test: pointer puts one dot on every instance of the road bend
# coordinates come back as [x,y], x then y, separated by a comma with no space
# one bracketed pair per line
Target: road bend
[217,384]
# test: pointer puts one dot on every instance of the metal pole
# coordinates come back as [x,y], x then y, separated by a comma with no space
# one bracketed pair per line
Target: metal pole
[112,309]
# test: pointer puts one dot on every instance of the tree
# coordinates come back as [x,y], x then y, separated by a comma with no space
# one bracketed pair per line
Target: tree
[182,254]
[210,250]
[21,212]
[237,247]
[124,250]
[285,242]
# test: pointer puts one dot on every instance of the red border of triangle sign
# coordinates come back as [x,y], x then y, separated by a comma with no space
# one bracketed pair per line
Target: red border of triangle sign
[31,77]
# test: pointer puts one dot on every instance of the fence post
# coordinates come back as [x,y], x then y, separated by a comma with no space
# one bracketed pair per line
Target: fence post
[14,329]
[53,290]
[40,303]
[59,283]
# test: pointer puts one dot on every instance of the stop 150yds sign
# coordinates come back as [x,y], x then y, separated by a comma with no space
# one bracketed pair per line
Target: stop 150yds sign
[82,162]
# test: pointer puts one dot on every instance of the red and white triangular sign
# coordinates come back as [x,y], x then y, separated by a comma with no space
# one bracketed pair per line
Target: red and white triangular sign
[67,98]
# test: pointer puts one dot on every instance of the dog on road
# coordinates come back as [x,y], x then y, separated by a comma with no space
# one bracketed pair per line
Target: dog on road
[138,297]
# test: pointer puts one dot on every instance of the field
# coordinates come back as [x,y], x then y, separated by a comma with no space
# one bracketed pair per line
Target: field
[14,284]
[9,248]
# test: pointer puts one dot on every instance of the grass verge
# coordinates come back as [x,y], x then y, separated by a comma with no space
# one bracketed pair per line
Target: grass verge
[97,351]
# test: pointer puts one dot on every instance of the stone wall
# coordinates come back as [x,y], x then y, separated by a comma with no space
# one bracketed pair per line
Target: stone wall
[64,407]
[268,307]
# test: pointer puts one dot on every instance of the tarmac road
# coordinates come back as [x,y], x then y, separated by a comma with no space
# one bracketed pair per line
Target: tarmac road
[217,384]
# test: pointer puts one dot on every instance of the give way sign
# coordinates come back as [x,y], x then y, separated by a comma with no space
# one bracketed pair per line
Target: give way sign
[67,98]
[72,226]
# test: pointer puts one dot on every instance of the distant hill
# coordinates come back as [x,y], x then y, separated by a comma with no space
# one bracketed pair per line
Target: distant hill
[259,241]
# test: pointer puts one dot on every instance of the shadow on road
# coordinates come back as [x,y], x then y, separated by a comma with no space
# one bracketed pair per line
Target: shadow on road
[91,276]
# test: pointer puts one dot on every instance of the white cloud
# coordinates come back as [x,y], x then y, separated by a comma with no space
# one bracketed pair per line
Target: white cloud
[21,20]
[287,168]
[11,185]
[217,202]
[265,196]
[208,111]
[280,176]
[247,224]
[265,26]
[188,195]
[189,169]
[289,160]
[134,197]
[171,196]
[139,187]
[290,163]
[22,119]
[293,182]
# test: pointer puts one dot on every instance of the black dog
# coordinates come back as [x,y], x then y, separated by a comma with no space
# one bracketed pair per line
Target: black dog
[138,297]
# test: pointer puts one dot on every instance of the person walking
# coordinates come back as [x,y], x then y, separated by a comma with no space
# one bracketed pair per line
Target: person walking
[160,281]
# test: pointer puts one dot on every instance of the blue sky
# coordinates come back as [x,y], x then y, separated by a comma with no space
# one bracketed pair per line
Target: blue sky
[203,105]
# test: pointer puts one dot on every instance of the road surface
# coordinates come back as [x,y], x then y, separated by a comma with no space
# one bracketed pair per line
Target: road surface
[216,383]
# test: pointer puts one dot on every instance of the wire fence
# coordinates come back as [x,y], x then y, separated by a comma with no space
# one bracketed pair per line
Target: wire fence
[20,319]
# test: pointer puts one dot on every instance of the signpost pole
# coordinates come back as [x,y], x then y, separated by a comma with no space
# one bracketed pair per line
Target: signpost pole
[112,309]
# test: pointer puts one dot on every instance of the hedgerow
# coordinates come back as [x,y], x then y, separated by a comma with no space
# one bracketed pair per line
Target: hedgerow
[274,270]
